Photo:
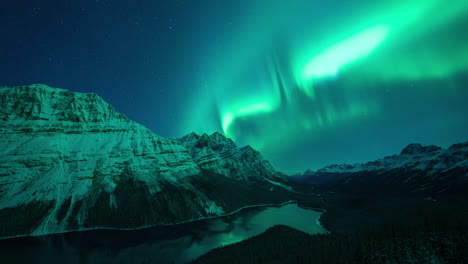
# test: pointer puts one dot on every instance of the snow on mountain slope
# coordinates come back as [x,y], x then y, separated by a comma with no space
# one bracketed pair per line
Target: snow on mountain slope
[69,161]
[432,159]
[416,168]
[221,155]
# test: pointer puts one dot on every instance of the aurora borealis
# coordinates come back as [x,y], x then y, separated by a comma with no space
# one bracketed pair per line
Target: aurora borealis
[308,83]
[305,74]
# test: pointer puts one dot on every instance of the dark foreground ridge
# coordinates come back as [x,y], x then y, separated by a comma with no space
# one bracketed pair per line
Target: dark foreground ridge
[429,243]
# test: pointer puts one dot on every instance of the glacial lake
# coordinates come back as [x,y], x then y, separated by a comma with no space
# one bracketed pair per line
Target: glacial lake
[160,244]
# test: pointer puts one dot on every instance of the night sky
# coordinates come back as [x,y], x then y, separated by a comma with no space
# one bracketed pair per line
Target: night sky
[308,83]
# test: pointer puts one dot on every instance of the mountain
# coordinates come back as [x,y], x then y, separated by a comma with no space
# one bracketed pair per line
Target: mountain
[405,208]
[221,155]
[417,168]
[70,161]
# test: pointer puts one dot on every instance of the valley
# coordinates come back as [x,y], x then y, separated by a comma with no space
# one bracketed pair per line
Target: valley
[84,183]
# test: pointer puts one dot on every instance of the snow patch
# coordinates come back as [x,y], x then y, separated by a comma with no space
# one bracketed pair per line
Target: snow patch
[280,185]
[212,209]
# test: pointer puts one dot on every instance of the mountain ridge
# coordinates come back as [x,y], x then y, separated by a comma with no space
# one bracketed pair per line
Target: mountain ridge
[70,161]
[416,168]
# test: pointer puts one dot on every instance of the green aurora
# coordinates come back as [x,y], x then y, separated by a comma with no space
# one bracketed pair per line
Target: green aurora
[300,69]
[307,82]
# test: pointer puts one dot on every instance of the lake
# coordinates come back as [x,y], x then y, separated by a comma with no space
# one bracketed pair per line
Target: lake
[160,244]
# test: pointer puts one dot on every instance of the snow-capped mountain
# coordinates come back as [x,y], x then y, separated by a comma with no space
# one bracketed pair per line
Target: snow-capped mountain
[221,155]
[70,161]
[416,168]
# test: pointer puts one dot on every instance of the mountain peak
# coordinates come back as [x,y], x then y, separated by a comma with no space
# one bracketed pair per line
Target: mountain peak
[418,168]
[416,148]
[221,155]
[35,86]
[80,161]
[39,102]
[459,145]
[217,135]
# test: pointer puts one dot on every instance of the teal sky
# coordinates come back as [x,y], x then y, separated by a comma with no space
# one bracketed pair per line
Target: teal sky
[308,83]
[311,83]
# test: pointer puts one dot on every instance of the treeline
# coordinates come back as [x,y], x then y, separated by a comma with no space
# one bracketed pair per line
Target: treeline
[427,243]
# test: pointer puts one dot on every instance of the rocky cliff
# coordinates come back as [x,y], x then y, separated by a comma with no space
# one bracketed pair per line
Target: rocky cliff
[221,155]
[70,161]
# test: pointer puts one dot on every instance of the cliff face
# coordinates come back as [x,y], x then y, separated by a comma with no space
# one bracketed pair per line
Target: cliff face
[221,155]
[70,161]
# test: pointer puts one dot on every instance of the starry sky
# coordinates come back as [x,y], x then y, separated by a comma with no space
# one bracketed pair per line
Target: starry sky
[308,83]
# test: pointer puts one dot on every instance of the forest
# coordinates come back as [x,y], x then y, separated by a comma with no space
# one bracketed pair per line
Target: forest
[434,243]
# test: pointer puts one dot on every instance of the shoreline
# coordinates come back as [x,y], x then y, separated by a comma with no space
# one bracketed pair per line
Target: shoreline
[182,222]
[317,221]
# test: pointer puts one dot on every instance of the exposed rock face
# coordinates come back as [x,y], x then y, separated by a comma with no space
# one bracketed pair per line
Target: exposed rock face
[219,154]
[70,161]
[416,169]
[418,148]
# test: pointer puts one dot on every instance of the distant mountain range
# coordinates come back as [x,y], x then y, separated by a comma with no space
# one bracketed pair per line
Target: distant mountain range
[70,161]
[417,168]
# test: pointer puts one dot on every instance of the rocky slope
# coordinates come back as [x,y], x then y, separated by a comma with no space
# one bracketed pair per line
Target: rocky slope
[416,169]
[69,161]
[220,155]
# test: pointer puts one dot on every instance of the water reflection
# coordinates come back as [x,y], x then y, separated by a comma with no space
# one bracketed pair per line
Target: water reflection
[169,244]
